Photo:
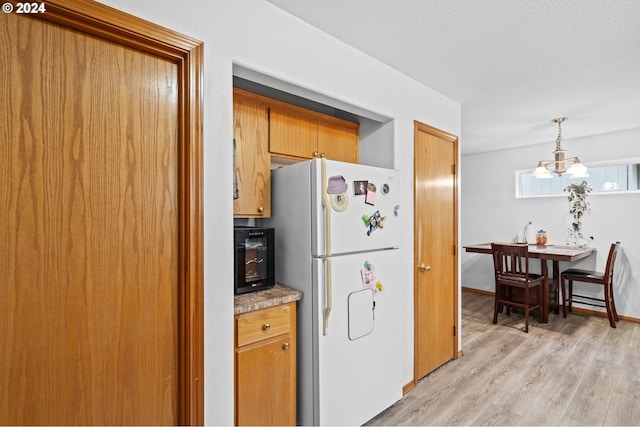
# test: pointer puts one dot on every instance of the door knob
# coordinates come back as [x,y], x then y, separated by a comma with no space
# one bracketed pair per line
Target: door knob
[424,268]
[260,210]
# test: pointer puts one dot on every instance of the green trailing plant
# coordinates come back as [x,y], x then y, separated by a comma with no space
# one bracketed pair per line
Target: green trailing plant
[578,206]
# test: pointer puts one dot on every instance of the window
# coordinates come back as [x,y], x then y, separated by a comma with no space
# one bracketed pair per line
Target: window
[610,177]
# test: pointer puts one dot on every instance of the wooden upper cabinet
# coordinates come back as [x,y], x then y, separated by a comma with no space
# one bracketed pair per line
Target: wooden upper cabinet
[252,158]
[292,133]
[339,141]
[265,127]
[299,133]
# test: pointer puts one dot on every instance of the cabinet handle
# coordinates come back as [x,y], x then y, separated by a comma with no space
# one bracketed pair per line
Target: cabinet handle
[316,154]
[285,346]
[266,326]
[260,209]
[322,155]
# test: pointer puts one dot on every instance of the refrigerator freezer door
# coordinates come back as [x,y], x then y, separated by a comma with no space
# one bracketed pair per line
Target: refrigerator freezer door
[359,222]
[357,379]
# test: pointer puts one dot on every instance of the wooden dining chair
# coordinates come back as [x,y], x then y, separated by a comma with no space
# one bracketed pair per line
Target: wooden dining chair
[604,279]
[511,266]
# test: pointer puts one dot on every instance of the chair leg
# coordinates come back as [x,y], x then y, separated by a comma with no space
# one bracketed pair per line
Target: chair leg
[570,298]
[495,308]
[526,309]
[564,296]
[613,303]
[607,302]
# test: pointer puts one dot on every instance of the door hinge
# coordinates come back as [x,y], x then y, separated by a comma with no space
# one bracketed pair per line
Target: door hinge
[455,330]
[453,169]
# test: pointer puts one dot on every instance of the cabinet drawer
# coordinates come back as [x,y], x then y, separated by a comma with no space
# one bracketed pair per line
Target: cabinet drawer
[262,324]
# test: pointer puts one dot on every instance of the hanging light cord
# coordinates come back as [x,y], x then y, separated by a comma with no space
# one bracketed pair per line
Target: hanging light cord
[559,138]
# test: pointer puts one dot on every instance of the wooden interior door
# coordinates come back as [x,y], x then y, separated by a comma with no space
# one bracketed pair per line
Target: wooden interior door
[94,281]
[435,249]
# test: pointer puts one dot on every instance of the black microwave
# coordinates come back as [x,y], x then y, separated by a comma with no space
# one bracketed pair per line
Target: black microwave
[254,259]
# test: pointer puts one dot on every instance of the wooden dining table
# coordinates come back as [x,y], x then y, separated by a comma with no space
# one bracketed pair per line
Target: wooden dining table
[554,253]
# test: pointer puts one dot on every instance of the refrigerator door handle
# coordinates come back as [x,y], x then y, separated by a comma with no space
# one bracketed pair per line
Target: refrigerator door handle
[329,296]
[326,203]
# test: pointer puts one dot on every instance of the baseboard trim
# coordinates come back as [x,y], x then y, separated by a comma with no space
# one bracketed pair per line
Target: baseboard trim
[478,291]
[602,314]
[408,387]
[574,309]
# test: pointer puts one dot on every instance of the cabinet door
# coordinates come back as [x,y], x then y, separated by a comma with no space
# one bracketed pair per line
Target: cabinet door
[253,175]
[265,383]
[338,142]
[292,134]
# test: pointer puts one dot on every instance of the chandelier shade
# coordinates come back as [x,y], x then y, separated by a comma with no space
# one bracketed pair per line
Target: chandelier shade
[560,162]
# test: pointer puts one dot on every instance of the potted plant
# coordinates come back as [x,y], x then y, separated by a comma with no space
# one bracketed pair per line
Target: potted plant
[579,206]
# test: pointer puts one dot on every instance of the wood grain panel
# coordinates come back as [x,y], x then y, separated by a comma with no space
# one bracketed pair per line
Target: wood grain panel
[251,133]
[292,133]
[265,371]
[257,365]
[88,230]
[338,142]
[435,225]
[262,324]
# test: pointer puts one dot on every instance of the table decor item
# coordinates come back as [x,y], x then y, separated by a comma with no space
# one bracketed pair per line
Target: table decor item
[530,232]
[541,237]
[578,207]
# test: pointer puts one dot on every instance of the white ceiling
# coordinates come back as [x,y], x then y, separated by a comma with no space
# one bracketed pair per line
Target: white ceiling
[513,64]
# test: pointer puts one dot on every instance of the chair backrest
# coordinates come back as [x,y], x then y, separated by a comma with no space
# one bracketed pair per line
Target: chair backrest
[511,262]
[611,260]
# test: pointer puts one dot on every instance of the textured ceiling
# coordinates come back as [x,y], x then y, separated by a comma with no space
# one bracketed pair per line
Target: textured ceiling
[513,64]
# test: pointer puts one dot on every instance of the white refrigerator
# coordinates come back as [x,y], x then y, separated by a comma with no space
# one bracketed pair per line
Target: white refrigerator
[336,242]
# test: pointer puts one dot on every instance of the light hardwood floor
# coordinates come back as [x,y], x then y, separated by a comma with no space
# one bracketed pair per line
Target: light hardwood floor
[573,371]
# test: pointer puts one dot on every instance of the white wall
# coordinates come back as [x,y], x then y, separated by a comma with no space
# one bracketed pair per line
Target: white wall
[490,211]
[257,36]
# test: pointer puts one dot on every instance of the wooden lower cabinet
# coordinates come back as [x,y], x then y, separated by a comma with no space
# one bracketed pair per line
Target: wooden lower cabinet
[265,366]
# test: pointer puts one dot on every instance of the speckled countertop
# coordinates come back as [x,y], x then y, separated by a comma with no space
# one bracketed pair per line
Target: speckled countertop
[277,295]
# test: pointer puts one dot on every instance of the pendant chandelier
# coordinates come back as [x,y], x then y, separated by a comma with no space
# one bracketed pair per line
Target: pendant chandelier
[559,164]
